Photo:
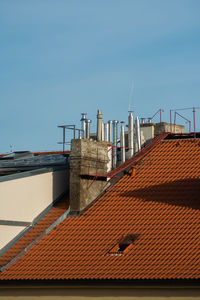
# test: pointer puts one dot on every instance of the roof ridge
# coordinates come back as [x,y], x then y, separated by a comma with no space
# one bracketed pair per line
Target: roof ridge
[139,155]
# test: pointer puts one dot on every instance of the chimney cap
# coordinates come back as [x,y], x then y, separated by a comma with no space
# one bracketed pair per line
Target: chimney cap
[99,114]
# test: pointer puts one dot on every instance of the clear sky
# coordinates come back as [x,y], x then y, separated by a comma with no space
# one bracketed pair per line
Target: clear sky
[59,58]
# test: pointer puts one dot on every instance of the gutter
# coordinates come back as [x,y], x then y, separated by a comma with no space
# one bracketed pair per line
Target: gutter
[104,283]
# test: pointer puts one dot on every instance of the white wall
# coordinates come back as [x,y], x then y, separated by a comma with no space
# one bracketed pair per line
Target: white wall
[7,233]
[23,199]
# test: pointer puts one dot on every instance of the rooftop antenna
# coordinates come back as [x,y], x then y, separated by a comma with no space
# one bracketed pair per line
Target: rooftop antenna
[193,111]
[71,127]
[160,111]
[130,96]
[197,121]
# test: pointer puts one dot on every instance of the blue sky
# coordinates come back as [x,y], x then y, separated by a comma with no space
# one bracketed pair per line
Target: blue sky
[59,58]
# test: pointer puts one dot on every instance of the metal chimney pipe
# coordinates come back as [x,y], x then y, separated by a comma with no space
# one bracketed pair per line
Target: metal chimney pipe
[99,126]
[83,125]
[106,131]
[110,130]
[138,133]
[115,122]
[79,133]
[88,128]
[102,131]
[130,135]
[122,143]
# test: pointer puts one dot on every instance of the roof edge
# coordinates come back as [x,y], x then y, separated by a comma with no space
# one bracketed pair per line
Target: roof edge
[139,155]
[33,172]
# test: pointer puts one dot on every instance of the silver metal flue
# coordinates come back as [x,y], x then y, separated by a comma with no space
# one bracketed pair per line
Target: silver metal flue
[138,133]
[130,135]
[88,128]
[106,132]
[99,126]
[115,122]
[102,131]
[122,143]
[110,130]
[83,125]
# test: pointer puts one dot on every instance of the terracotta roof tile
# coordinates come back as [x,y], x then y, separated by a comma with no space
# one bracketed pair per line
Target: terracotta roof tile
[138,155]
[160,204]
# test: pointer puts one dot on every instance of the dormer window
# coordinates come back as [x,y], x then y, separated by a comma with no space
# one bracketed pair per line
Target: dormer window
[124,244]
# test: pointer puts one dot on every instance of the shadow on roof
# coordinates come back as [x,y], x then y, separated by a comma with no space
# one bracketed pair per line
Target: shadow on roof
[185,193]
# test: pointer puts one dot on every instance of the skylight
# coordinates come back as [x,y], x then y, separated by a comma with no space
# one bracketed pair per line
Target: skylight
[124,244]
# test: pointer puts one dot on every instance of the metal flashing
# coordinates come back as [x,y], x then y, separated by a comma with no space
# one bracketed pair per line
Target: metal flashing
[14,223]
[31,173]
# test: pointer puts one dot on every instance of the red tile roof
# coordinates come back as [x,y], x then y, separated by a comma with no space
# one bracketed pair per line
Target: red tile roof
[35,232]
[138,155]
[160,205]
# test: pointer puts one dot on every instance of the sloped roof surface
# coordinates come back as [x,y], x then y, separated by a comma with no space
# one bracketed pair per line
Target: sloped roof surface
[35,232]
[139,155]
[160,204]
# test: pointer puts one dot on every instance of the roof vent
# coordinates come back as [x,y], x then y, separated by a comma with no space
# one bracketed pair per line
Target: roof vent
[124,244]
